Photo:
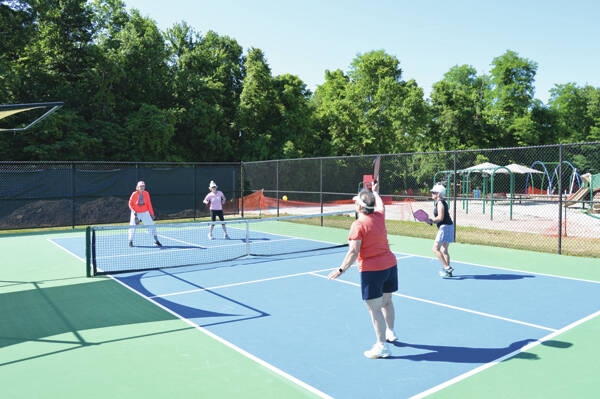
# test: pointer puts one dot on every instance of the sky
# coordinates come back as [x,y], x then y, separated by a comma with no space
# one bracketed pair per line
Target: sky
[307,37]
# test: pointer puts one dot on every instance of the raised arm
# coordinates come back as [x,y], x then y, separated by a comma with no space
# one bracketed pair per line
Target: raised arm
[379,207]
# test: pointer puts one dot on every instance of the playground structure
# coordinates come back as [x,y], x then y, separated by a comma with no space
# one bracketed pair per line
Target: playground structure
[532,190]
[489,170]
[590,188]
[488,173]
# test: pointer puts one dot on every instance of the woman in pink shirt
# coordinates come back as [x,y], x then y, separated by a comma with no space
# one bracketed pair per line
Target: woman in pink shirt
[368,245]
[216,199]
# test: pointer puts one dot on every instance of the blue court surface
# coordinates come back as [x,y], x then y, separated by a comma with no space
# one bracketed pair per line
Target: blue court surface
[283,312]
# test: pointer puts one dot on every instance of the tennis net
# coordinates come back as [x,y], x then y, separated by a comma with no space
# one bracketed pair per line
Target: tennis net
[108,248]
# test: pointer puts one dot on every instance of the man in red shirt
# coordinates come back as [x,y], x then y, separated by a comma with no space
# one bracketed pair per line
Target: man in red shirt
[377,265]
[141,211]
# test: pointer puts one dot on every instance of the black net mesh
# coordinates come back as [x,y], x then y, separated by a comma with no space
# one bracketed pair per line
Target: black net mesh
[68,194]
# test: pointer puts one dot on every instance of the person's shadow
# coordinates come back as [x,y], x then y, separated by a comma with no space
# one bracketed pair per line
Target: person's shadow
[462,354]
[494,276]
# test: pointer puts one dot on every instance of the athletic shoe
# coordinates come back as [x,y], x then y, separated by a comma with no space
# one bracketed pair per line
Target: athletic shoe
[446,273]
[227,237]
[131,243]
[210,236]
[378,351]
[157,243]
[390,336]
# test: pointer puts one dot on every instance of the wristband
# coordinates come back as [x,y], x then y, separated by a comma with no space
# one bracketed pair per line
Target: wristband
[341,270]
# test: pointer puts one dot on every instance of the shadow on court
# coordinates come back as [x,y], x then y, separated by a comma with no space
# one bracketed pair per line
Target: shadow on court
[461,354]
[456,354]
[495,276]
[39,313]
[135,282]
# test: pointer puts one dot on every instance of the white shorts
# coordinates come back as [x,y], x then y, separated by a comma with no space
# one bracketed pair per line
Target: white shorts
[445,233]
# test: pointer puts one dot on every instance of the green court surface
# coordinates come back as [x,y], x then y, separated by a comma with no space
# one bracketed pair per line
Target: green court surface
[63,335]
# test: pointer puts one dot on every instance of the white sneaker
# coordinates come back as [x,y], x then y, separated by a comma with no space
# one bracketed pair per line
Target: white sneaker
[210,236]
[378,351]
[390,336]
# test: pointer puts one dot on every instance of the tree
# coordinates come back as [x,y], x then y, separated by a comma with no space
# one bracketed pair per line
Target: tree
[578,111]
[511,95]
[256,110]
[371,110]
[457,105]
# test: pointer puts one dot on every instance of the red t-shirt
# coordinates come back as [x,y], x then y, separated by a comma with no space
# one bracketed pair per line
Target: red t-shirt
[375,253]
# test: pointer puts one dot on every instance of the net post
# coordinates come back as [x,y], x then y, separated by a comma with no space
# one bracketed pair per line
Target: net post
[88,253]
[277,184]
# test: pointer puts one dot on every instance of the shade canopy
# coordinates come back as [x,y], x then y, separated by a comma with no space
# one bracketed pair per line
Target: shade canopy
[522,169]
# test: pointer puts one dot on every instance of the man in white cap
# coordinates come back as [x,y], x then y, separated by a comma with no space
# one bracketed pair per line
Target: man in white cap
[445,235]
[141,211]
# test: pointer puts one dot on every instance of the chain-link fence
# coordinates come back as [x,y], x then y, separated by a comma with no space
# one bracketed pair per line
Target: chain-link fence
[51,194]
[544,198]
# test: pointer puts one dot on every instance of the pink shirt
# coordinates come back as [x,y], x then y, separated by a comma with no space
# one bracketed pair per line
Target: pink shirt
[215,200]
[375,253]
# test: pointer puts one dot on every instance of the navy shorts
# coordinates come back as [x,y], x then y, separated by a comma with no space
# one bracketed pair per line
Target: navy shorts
[214,214]
[374,284]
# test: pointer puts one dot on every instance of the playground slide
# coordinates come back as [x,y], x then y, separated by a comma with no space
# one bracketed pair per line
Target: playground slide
[577,196]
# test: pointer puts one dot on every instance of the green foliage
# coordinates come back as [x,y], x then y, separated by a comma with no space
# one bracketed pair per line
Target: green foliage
[134,92]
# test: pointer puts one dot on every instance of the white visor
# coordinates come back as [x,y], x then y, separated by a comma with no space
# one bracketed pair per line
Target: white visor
[360,202]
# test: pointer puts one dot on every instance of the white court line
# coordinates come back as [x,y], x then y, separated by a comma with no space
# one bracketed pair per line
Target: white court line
[452,307]
[501,359]
[181,241]
[241,283]
[66,250]
[507,268]
[251,281]
[236,348]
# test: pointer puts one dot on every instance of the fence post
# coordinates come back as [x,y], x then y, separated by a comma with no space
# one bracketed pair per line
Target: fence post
[321,187]
[242,185]
[194,185]
[277,184]
[73,194]
[454,194]
[560,203]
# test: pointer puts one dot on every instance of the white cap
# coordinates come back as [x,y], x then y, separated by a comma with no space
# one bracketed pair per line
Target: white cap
[212,184]
[141,183]
[438,188]
[357,198]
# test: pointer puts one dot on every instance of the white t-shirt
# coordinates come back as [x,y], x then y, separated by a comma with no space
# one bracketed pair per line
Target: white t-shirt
[215,200]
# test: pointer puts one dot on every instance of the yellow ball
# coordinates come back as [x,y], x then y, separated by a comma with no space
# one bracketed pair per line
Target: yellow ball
[284,198]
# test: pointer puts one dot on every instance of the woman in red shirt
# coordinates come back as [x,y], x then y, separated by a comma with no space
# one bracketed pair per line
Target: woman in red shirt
[377,265]
[142,211]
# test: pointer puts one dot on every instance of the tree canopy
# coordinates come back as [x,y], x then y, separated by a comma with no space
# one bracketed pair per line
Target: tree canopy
[135,93]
